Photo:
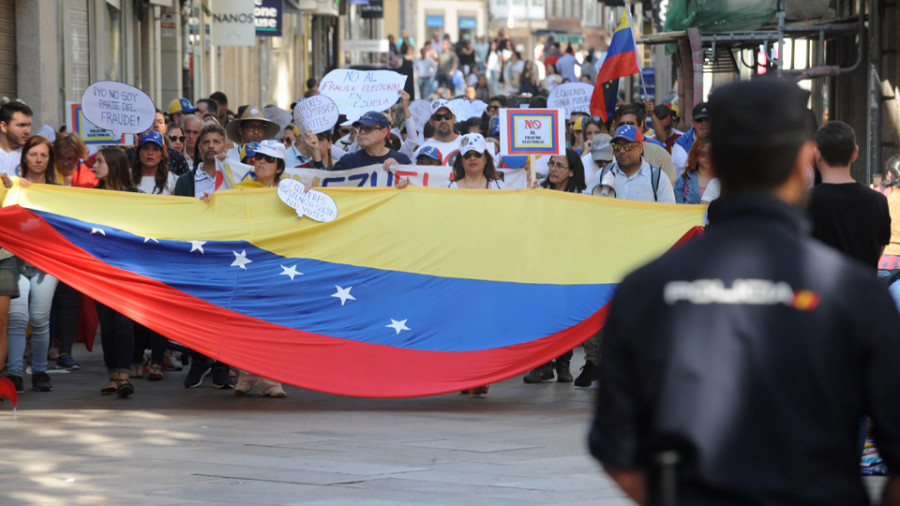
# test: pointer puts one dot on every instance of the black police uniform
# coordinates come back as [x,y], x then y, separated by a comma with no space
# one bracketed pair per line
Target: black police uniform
[753,352]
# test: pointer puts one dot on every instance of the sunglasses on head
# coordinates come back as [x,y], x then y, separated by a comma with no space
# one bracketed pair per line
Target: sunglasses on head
[437,117]
[175,138]
[472,154]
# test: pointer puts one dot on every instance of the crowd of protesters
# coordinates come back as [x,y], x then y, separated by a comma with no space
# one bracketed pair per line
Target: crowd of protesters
[643,151]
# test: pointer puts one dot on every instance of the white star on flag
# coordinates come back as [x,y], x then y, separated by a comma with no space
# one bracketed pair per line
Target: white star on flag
[398,325]
[343,294]
[197,245]
[96,230]
[240,259]
[290,271]
[148,239]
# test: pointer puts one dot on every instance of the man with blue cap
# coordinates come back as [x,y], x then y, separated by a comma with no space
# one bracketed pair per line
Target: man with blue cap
[634,177]
[373,128]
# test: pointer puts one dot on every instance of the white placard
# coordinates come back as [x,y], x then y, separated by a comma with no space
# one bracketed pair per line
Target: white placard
[118,107]
[232,23]
[313,203]
[356,92]
[317,113]
[535,132]
[572,97]
[421,112]
[277,115]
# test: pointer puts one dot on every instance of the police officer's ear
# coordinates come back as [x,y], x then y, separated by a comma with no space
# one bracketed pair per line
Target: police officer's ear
[795,189]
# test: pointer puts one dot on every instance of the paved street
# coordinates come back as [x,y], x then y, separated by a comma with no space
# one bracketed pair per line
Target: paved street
[521,444]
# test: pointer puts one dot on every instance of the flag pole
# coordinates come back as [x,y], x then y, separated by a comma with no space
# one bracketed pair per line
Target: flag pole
[636,57]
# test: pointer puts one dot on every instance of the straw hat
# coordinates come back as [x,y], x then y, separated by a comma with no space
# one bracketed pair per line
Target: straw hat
[251,113]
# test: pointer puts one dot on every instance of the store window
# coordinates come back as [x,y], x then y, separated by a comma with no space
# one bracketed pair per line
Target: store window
[468,27]
[434,23]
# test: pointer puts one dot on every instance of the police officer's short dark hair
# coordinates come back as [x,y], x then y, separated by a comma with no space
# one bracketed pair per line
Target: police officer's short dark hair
[758,128]
[837,142]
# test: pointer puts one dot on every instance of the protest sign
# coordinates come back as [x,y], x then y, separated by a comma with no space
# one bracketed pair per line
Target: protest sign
[356,92]
[573,97]
[90,134]
[118,107]
[421,111]
[532,132]
[313,204]
[375,176]
[277,115]
[317,113]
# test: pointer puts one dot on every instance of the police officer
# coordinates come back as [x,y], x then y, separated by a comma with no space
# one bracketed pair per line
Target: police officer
[735,369]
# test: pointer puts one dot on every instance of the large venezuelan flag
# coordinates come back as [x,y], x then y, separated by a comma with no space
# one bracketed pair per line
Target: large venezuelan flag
[407,293]
[621,60]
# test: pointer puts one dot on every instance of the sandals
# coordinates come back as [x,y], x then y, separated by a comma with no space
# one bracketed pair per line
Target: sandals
[155,373]
[110,389]
[137,371]
[124,388]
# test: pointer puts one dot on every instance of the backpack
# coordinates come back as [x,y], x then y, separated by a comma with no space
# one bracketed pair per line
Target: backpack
[654,177]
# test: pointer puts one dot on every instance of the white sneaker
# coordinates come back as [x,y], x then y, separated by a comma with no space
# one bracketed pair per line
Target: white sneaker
[172,362]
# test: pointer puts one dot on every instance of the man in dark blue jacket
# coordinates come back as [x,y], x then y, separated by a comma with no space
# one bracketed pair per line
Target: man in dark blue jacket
[739,365]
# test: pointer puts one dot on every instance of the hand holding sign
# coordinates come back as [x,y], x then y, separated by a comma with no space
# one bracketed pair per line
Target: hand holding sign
[312,203]
[317,113]
[118,107]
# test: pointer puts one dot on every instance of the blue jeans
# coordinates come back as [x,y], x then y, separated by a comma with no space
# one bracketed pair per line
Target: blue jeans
[894,288]
[36,290]
[426,87]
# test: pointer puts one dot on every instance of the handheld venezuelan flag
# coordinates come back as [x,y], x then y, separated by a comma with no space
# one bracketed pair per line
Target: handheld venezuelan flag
[408,292]
[621,60]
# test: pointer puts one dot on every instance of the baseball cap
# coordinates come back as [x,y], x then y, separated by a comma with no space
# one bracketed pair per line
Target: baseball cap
[601,148]
[181,105]
[579,124]
[248,150]
[271,148]
[438,104]
[373,118]
[627,132]
[700,111]
[152,136]
[471,142]
[431,152]
[495,125]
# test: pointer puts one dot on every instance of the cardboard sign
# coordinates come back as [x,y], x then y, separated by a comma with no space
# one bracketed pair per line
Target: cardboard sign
[118,107]
[356,92]
[421,111]
[572,97]
[532,132]
[317,113]
[314,204]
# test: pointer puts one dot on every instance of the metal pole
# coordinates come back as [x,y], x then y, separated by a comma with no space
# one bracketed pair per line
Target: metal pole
[875,98]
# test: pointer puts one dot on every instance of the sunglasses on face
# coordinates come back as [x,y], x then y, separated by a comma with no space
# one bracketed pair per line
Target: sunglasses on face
[623,146]
[493,107]
[267,158]
[472,154]
[437,117]
[345,131]
[175,138]
[366,128]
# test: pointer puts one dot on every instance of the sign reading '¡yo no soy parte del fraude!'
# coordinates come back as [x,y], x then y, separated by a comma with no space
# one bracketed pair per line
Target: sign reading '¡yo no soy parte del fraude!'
[532,132]
[118,107]
[357,92]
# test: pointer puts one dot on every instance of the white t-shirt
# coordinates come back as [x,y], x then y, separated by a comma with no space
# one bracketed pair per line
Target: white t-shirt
[444,147]
[148,185]
[679,159]
[9,162]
